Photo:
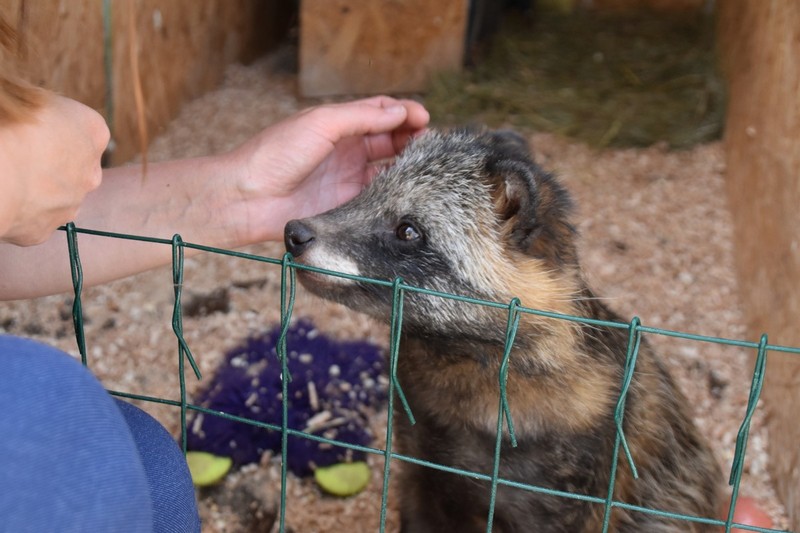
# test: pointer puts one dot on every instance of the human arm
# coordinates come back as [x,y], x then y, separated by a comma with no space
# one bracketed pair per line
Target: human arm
[305,164]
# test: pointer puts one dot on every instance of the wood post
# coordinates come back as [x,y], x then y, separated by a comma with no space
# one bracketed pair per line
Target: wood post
[760,45]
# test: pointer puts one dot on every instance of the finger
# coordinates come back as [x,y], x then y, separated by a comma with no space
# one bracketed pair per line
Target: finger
[388,145]
[381,146]
[368,117]
[417,116]
[337,122]
[401,138]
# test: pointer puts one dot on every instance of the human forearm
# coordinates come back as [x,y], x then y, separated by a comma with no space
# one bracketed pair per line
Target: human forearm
[176,197]
[310,162]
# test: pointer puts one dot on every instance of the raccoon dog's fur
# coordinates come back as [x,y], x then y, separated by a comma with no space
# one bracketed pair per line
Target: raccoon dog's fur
[468,212]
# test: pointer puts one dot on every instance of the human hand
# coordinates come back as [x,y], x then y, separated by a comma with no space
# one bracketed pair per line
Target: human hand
[318,159]
[49,163]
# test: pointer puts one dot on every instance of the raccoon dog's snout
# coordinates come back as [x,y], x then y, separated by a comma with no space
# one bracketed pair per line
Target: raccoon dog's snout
[298,237]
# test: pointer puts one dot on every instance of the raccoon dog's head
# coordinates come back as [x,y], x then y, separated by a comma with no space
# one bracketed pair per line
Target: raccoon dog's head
[465,212]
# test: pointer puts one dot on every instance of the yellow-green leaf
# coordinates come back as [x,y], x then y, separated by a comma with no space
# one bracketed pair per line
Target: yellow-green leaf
[207,469]
[343,479]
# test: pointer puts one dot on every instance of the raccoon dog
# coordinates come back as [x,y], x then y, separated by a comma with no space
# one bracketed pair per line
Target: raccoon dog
[469,213]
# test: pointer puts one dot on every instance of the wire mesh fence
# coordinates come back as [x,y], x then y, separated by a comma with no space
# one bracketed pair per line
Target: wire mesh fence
[399,289]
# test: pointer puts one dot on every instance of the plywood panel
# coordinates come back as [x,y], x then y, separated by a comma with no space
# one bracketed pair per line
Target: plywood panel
[181,46]
[655,5]
[376,46]
[182,50]
[58,46]
[761,53]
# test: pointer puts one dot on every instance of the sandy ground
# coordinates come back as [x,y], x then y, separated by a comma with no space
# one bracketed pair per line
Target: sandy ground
[656,243]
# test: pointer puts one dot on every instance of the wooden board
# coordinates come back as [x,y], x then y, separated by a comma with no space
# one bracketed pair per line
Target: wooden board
[58,46]
[181,46]
[378,46]
[655,5]
[761,53]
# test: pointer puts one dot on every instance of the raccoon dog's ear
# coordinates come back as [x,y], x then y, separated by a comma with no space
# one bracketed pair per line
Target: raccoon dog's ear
[512,176]
[511,144]
[533,207]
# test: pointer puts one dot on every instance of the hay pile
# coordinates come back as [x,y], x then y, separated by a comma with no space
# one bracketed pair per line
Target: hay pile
[608,79]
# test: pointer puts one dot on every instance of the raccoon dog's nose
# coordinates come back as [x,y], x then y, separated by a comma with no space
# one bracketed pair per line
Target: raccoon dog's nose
[297,236]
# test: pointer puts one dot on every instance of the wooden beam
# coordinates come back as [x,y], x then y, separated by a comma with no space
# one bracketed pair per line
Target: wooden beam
[182,48]
[378,46]
[760,43]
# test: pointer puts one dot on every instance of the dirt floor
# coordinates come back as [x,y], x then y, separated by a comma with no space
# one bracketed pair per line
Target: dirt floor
[656,243]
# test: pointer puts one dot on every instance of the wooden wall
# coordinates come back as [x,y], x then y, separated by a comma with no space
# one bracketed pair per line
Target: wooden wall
[181,47]
[376,46]
[655,5]
[62,46]
[760,43]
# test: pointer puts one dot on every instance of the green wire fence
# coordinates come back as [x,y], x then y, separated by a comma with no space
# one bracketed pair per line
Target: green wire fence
[287,299]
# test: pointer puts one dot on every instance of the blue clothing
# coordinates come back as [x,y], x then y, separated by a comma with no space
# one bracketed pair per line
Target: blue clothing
[72,458]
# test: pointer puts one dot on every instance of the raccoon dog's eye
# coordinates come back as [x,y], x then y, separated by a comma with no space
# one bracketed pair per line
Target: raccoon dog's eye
[407,232]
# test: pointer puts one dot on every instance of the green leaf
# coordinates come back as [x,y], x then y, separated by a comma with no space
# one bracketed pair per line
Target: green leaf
[343,479]
[207,469]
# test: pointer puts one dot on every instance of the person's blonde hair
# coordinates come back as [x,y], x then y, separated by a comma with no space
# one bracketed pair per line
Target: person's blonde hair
[18,98]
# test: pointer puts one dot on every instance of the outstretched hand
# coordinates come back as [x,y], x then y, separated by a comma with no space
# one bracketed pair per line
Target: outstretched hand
[306,164]
[318,159]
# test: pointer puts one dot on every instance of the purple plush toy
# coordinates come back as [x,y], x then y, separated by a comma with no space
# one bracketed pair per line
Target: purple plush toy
[332,383]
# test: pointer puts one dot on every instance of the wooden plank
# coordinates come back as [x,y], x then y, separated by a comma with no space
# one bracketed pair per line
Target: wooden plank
[182,47]
[654,5]
[57,47]
[761,51]
[378,46]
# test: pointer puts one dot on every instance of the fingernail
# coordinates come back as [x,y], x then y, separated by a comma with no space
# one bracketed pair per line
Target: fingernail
[396,108]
